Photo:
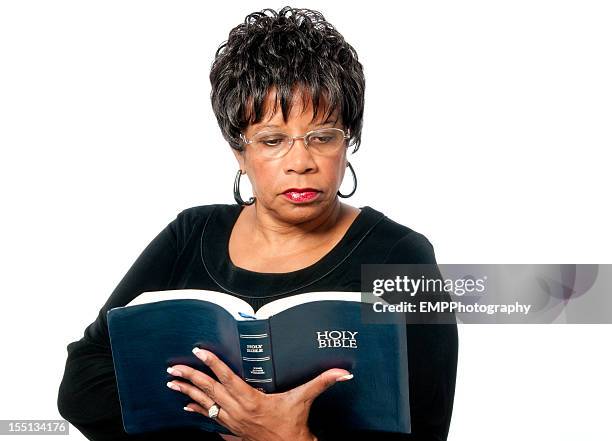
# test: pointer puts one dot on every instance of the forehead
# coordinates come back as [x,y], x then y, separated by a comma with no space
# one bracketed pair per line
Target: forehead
[299,110]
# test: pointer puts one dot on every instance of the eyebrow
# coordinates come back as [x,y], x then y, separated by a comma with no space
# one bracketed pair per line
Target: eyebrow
[276,126]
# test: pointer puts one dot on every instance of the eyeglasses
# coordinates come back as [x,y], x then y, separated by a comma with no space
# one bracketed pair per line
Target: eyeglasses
[274,145]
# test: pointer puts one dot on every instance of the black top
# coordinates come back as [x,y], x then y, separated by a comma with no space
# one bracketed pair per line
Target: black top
[192,252]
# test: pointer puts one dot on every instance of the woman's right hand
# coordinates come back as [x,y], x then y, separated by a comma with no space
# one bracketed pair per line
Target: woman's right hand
[246,411]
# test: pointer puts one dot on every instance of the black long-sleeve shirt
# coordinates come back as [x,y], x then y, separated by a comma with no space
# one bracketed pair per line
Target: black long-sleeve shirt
[192,252]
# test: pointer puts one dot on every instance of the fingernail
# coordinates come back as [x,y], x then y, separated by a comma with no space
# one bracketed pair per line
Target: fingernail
[188,409]
[176,372]
[345,377]
[199,353]
[172,385]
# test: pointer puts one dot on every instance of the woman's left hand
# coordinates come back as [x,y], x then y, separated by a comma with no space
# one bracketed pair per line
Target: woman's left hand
[249,413]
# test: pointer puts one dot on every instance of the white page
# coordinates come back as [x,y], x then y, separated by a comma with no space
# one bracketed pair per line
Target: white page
[276,306]
[230,303]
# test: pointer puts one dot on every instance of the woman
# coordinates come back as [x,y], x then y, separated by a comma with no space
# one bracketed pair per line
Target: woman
[288,94]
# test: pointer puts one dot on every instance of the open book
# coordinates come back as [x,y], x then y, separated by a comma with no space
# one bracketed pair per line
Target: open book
[285,343]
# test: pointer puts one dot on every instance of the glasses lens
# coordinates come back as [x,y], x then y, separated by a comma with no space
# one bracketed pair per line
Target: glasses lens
[326,140]
[271,144]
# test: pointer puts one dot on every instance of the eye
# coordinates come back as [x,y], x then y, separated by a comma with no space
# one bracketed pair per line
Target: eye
[272,142]
[271,139]
[326,137]
[321,139]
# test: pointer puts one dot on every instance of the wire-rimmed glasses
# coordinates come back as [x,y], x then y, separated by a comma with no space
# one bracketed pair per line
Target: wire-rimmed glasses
[276,144]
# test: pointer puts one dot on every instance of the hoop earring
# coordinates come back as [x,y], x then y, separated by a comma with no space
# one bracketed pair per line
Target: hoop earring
[237,196]
[354,183]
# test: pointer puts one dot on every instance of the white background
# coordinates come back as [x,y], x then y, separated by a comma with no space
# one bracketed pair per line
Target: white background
[487,128]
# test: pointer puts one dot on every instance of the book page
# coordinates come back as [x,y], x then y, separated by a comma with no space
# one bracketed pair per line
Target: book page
[230,303]
[276,306]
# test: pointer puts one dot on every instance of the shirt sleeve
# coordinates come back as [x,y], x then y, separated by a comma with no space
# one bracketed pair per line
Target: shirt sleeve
[432,362]
[432,354]
[87,395]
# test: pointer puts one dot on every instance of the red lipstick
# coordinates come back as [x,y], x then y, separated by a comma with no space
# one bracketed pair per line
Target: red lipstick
[301,195]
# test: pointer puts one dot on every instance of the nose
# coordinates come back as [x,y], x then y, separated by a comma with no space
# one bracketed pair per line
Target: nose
[299,159]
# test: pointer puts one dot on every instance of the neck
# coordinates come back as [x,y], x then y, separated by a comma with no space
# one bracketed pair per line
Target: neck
[274,231]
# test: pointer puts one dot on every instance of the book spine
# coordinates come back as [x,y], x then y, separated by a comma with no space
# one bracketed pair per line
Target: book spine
[256,351]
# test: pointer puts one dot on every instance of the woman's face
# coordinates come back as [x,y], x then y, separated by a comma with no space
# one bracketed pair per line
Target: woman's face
[299,168]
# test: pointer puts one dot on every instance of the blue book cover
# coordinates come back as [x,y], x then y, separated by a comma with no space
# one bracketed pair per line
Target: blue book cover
[287,342]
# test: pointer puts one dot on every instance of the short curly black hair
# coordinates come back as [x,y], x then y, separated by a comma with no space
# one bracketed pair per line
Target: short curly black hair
[289,49]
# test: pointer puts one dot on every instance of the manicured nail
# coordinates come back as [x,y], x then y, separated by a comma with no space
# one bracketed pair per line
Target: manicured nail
[199,353]
[172,385]
[345,377]
[188,409]
[175,372]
